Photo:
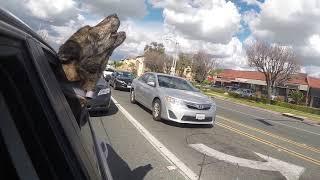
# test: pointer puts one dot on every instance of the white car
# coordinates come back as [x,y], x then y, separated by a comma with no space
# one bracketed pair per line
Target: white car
[173,98]
[107,72]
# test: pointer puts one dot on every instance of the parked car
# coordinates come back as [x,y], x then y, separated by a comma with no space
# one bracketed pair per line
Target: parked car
[121,79]
[231,88]
[172,98]
[244,92]
[44,131]
[100,100]
[108,72]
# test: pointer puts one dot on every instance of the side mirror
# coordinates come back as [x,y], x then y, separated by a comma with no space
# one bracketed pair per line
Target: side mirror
[108,77]
[151,83]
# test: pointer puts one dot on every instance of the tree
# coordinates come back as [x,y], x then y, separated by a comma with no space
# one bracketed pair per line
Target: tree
[167,63]
[297,96]
[183,62]
[202,64]
[154,54]
[277,63]
[117,64]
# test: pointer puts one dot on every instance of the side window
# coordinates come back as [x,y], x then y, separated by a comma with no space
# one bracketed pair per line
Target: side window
[151,78]
[144,78]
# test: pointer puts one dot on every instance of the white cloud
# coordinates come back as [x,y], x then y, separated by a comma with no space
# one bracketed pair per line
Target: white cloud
[229,55]
[124,8]
[291,22]
[47,9]
[214,21]
[312,70]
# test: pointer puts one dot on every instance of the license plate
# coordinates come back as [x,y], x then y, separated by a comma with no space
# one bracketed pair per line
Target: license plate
[200,116]
[128,86]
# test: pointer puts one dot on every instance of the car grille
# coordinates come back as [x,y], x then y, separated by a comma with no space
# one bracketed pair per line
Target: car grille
[193,119]
[198,106]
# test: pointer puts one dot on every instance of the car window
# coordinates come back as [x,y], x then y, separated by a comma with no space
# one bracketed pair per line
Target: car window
[174,83]
[151,78]
[124,74]
[110,70]
[144,78]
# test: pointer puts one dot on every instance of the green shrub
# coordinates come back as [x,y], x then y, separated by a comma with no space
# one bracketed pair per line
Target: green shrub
[299,107]
[218,90]
[235,95]
[297,96]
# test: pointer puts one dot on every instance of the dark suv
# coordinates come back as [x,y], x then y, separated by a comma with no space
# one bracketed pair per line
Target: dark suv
[44,132]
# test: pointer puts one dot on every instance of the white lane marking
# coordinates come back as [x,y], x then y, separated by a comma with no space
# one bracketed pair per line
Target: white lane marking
[311,132]
[290,171]
[165,152]
[170,168]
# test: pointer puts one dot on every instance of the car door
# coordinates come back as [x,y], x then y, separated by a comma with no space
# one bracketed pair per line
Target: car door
[138,87]
[148,91]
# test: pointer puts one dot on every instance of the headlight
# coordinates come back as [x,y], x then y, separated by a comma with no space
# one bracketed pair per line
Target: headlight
[104,91]
[173,100]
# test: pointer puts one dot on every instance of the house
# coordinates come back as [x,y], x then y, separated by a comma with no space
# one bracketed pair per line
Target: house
[134,64]
[254,80]
[314,92]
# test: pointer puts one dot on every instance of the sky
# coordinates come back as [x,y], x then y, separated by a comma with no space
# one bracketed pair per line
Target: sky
[221,28]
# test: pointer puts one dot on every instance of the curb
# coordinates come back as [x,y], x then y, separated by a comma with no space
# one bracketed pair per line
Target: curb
[294,116]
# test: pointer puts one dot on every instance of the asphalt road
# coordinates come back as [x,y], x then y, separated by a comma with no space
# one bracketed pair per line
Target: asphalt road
[245,143]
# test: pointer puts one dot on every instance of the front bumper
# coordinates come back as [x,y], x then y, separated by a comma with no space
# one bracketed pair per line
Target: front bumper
[123,85]
[101,104]
[185,115]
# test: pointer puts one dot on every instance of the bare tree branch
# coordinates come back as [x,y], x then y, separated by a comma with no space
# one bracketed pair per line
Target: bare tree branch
[276,62]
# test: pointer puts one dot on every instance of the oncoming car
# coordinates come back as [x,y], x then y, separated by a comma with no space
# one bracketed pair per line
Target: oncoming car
[172,98]
[121,79]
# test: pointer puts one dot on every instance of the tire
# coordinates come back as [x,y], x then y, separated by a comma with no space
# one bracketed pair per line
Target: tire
[132,96]
[156,110]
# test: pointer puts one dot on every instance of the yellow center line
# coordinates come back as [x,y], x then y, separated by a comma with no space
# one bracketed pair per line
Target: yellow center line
[273,135]
[291,152]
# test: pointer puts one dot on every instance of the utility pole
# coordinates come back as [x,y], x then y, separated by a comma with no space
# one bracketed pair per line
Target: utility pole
[176,57]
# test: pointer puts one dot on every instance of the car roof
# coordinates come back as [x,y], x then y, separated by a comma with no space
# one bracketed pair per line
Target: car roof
[14,21]
[163,74]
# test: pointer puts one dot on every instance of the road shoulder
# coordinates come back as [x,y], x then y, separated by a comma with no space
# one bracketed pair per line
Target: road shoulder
[131,156]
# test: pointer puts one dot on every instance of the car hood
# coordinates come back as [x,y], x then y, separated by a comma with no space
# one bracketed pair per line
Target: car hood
[191,96]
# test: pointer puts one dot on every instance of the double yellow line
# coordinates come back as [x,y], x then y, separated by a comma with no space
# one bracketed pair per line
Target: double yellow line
[291,152]
[273,135]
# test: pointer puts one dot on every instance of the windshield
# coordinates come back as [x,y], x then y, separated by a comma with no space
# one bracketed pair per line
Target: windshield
[174,83]
[125,74]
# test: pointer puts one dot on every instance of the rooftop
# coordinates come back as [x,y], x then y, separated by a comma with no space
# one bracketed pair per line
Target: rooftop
[300,78]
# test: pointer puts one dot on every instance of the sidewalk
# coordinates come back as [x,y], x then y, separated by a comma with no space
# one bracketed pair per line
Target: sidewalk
[287,114]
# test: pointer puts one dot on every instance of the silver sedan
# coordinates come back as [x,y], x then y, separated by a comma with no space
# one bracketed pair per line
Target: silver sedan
[172,98]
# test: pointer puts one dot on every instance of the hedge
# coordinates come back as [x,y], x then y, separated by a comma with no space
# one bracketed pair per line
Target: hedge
[298,107]
[218,90]
[280,103]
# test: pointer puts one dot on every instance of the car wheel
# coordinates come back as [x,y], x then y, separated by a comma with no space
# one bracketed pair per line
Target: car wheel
[156,110]
[132,96]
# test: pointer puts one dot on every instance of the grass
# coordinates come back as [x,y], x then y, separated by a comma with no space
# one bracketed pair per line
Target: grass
[264,106]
